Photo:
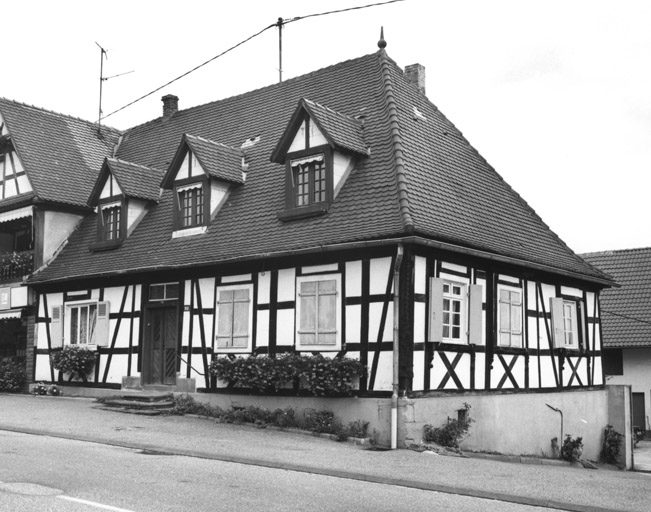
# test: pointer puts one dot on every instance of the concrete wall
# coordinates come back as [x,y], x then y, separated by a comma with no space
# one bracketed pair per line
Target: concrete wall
[521,423]
[637,374]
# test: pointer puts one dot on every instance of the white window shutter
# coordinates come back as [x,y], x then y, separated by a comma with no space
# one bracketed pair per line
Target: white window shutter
[475,314]
[56,327]
[102,324]
[436,309]
[558,327]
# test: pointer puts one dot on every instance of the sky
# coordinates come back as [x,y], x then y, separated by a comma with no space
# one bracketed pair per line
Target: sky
[554,94]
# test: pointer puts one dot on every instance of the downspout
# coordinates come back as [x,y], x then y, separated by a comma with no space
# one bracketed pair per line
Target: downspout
[396,346]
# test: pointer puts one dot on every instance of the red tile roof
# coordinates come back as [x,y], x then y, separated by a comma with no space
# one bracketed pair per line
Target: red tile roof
[421,177]
[62,155]
[626,311]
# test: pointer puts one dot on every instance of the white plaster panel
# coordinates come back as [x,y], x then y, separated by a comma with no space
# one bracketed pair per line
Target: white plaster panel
[596,342]
[185,334]
[286,285]
[581,371]
[548,291]
[263,287]
[589,297]
[453,277]
[420,275]
[19,296]
[315,269]
[118,368]
[262,329]
[41,336]
[374,318]
[531,296]
[543,337]
[43,368]
[298,143]
[53,299]
[454,267]
[598,372]
[122,339]
[533,372]
[218,196]
[547,372]
[342,165]
[509,279]
[532,332]
[114,296]
[207,290]
[380,272]
[384,375]
[58,226]
[353,323]
[187,294]
[480,370]
[419,370]
[574,292]
[353,278]
[419,322]
[285,327]
[136,211]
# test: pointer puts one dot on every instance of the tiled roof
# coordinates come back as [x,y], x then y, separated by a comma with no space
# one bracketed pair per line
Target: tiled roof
[346,132]
[421,177]
[218,160]
[62,155]
[626,311]
[136,181]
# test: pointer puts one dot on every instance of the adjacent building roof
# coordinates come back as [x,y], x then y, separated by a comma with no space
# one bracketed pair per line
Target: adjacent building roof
[62,155]
[625,311]
[421,178]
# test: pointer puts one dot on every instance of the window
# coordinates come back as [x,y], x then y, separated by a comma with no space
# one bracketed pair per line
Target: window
[455,312]
[191,205]
[83,323]
[509,316]
[111,219]
[309,180]
[234,318]
[565,320]
[318,312]
[163,291]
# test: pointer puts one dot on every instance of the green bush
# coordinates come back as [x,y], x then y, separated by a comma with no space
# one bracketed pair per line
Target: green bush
[322,422]
[453,432]
[572,448]
[612,445]
[12,375]
[320,375]
[74,360]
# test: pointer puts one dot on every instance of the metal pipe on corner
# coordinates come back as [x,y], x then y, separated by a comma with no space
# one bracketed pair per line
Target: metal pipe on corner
[396,346]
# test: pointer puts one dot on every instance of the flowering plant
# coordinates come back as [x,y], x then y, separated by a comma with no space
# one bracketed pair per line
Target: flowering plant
[75,360]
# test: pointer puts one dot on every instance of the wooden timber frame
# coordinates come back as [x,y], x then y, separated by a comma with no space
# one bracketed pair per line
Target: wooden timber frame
[427,366]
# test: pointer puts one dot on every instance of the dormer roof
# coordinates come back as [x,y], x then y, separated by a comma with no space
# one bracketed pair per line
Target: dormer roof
[217,160]
[135,181]
[342,132]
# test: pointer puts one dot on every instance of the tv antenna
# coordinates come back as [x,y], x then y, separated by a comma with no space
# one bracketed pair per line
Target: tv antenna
[103,55]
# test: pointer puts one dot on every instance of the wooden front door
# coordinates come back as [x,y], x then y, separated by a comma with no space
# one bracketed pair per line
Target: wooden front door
[639,414]
[161,335]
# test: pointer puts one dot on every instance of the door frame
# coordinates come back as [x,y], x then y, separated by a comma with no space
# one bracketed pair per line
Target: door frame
[146,372]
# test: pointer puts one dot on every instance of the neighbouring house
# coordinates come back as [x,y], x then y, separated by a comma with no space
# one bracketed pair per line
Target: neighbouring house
[337,213]
[48,165]
[626,325]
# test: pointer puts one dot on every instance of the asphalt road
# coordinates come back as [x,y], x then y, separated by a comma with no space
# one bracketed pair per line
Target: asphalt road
[40,473]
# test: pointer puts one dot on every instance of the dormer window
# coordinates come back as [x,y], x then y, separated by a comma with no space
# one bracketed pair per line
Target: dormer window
[110,227]
[319,149]
[191,205]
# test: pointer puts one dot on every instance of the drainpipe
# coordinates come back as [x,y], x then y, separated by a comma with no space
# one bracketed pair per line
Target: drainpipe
[396,340]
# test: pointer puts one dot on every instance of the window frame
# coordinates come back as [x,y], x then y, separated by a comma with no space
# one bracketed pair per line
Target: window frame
[292,209]
[99,336]
[102,242]
[188,184]
[338,309]
[511,332]
[471,311]
[559,307]
[249,335]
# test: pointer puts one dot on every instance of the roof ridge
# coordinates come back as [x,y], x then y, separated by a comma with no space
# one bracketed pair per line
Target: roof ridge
[210,141]
[59,114]
[326,107]
[396,143]
[132,164]
[617,251]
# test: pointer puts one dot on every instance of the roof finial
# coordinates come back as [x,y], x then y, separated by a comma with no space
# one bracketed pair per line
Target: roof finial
[382,44]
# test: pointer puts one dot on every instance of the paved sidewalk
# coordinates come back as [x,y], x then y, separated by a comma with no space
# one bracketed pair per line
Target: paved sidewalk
[561,487]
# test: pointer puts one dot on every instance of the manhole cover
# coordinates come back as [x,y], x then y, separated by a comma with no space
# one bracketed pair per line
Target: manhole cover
[29,489]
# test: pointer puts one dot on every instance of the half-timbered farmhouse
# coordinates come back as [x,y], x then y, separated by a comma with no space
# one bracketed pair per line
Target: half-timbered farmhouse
[341,213]
[626,325]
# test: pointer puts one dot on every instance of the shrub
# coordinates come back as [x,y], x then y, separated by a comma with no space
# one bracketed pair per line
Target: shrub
[357,428]
[572,448]
[612,445]
[74,360]
[452,433]
[320,375]
[12,375]
[322,422]
[45,389]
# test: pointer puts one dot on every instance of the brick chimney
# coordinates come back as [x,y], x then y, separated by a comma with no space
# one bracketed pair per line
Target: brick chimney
[170,105]
[415,73]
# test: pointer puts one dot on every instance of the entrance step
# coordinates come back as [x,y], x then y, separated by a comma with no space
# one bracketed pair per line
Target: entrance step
[149,404]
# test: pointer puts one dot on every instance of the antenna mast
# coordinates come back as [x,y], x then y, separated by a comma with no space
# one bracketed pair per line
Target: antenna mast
[280,24]
[101,81]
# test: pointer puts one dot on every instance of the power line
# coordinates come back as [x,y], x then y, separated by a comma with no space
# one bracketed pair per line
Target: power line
[626,316]
[278,24]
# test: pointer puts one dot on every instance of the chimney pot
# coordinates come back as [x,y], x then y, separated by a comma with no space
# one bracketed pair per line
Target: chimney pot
[415,73]
[170,105]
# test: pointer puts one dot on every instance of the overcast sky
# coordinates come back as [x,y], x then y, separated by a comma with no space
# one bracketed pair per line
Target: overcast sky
[555,94]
